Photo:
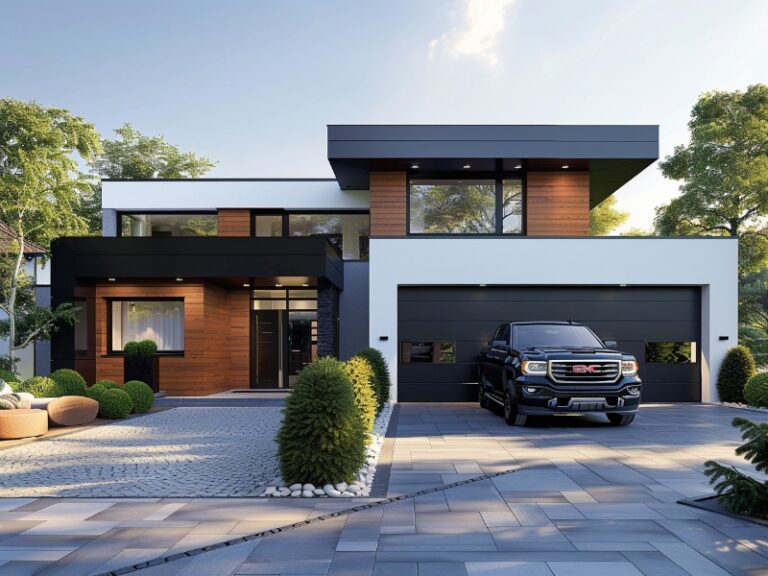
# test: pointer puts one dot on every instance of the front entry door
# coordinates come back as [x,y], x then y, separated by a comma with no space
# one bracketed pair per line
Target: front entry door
[266,348]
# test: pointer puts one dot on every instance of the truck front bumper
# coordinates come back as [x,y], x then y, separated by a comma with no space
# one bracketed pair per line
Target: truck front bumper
[538,396]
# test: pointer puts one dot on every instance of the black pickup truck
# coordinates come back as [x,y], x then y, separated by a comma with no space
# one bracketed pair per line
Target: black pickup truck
[556,368]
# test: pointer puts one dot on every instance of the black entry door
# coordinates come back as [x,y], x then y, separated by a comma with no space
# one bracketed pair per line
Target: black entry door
[638,318]
[265,348]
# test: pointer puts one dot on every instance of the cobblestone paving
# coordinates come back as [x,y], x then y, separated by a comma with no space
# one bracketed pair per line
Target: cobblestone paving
[190,452]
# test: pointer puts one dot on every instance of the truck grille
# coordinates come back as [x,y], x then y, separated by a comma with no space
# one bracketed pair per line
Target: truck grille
[584,372]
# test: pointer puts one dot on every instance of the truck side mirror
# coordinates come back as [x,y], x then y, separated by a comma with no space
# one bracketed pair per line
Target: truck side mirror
[498,343]
[611,344]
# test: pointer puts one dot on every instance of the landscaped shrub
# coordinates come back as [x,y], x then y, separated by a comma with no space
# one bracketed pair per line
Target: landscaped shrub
[381,382]
[322,439]
[147,348]
[131,348]
[141,394]
[68,382]
[756,390]
[108,384]
[739,492]
[95,391]
[7,375]
[114,404]
[38,386]
[361,374]
[737,367]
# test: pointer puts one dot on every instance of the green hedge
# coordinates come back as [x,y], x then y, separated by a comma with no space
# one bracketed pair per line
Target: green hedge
[38,386]
[115,404]
[756,390]
[737,368]
[95,391]
[8,376]
[140,348]
[68,382]
[361,375]
[322,439]
[381,379]
[141,394]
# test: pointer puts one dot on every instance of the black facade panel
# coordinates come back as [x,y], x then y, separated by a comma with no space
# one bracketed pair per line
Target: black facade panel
[469,315]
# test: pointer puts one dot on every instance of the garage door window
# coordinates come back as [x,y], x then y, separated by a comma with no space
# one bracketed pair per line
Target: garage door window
[429,352]
[670,352]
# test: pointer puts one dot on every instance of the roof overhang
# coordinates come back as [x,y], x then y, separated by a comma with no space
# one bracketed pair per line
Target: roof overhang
[613,155]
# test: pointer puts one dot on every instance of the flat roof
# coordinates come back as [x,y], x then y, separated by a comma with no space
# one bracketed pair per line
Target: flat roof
[613,154]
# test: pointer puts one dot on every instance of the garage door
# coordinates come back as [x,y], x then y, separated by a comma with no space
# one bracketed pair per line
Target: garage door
[441,331]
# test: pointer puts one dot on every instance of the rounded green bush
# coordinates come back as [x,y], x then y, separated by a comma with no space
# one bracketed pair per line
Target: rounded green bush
[756,390]
[7,375]
[38,386]
[381,380]
[737,368]
[108,384]
[322,439]
[141,394]
[68,382]
[360,374]
[147,348]
[114,404]
[131,348]
[94,392]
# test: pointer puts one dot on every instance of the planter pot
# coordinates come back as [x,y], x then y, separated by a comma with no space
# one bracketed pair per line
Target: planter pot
[144,368]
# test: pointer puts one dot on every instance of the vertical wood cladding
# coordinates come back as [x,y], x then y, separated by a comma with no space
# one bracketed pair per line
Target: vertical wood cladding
[388,207]
[234,222]
[216,338]
[557,204]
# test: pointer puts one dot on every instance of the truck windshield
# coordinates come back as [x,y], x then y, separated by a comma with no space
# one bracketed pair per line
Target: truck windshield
[554,335]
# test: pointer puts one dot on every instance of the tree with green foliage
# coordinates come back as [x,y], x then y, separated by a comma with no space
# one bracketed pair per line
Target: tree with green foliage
[724,174]
[736,369]
[605,217]
[40,195]
[739,492]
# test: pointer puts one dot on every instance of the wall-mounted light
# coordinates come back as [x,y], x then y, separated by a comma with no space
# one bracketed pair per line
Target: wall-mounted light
[179,279]
[467,166]
[415,166]
[518,166]
[565,166]
[278,285]
[111,279]
[305,285]
[246,285]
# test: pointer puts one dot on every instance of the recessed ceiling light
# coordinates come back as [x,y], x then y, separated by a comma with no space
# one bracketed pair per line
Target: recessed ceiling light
[246,285]
[415,166]
[111,279]
[482,285]
[518,166]
[467,166]
[179,279]
[278,285]
[565,166]
[305,285]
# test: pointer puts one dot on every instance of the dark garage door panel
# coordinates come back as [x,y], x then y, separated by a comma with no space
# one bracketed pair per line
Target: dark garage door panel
[468,316]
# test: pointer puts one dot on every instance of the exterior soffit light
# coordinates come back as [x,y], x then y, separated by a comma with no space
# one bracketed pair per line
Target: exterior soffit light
[518,166]
[246,285]
[278,285]
[179,279]
[415,166]
[467,166]
[111,279]
[565,166]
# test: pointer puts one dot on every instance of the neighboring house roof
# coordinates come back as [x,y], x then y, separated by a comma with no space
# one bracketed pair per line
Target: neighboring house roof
[7,234]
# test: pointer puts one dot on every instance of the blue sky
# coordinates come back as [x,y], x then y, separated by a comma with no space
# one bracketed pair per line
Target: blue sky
[252,84]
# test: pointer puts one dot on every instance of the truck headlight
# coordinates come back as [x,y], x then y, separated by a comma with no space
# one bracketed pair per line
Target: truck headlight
[629,368]
[534,368]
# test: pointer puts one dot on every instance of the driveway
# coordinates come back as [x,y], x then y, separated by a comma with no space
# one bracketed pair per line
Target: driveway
[581,497]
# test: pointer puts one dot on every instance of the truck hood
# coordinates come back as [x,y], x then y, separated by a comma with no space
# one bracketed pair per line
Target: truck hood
[566,353]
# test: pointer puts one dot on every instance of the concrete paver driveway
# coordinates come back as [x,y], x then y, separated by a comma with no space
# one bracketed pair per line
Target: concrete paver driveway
[583,497]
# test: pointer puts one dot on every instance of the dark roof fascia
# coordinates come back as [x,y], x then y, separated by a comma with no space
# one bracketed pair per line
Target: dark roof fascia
[218,179]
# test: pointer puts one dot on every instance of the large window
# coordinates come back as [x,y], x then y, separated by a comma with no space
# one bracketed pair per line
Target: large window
[670,352]
[347,232]
[465,206]
[428,352]
[169,224]
[159,320]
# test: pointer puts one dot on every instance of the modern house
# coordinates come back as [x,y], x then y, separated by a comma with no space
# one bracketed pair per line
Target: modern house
[427,239]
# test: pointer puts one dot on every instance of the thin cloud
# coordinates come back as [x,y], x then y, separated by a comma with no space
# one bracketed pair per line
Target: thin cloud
[477,34]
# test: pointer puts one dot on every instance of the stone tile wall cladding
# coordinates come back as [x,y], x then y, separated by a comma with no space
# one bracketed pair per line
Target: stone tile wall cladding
[327,319]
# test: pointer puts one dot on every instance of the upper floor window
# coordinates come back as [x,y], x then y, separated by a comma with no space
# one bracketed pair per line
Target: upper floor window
[465,206]
[156,224]
[349,233]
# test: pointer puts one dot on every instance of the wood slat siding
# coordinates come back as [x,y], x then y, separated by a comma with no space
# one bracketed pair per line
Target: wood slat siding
[234,222]
[557,204]
[216,338]
[388,206]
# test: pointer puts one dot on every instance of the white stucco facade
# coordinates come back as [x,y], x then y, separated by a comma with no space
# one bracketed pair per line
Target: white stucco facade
[709,263]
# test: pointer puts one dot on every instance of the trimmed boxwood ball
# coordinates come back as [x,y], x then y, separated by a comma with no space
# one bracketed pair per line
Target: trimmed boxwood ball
[322,439]
[147,348]
[95,391]
[38,386]
[737,368]
[756,390]
[361,374]
[131,348]
[381,380]
[141,394]
[115,404]
[108,384]
[68,382]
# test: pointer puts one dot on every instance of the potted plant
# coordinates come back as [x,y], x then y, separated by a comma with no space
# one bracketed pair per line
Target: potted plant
[142,363]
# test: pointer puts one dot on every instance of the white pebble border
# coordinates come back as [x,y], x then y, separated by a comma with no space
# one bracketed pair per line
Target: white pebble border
[744,407]
[358,488]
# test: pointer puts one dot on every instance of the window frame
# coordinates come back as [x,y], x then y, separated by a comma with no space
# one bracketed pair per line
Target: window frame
[694,349]
[403,343]
[498,176]
[112,352]
[287,226]
[120,213]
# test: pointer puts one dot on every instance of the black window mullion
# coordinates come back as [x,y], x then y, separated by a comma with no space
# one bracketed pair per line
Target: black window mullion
[499,206]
